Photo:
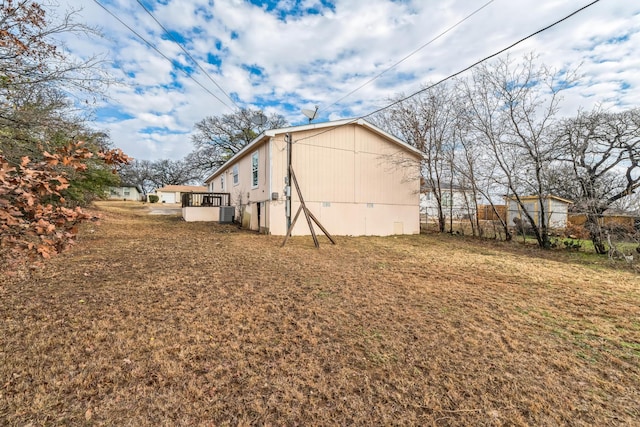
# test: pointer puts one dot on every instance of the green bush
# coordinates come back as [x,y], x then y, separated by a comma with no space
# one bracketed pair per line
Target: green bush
[153,198]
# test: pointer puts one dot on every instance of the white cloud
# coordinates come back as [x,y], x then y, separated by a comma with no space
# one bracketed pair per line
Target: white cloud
[310,59]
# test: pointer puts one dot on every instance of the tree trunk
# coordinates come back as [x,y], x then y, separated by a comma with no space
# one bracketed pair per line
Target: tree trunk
[595,233]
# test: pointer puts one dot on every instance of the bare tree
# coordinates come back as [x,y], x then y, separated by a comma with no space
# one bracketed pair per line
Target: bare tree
[513,108]
[427,122]
[468,168]
[603,154]
[217,138]
[32,57]
[172,172]
[138,173]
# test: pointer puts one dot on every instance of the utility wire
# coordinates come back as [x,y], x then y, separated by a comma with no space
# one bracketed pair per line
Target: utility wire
[486,58]
[162,54]
[449,77]
[451,28]
[188,54]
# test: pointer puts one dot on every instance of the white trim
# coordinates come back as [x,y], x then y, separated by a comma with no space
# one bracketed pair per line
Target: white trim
[270,176]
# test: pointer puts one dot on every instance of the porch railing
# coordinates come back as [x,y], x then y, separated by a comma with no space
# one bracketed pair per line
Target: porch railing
[205,199]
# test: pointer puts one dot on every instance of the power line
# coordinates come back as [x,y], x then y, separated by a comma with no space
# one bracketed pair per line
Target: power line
[187,53]
[486,58]
[449,77]
[451,28]
[172,62]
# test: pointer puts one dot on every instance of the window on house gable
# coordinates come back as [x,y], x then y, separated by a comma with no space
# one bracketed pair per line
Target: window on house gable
[235,175]
[222,183]
[254,169]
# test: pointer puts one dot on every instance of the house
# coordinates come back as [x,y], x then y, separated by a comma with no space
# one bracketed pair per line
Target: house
[457,202]
[556,210]
[171,193]
[354,177]
[125,192]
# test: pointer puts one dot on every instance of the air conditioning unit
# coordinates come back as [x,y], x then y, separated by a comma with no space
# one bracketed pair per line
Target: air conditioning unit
[226,214]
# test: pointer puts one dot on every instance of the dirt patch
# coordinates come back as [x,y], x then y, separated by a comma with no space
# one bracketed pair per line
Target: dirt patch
[164,209]
[153,321]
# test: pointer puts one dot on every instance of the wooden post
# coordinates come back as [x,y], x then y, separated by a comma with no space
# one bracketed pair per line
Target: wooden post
[308,215]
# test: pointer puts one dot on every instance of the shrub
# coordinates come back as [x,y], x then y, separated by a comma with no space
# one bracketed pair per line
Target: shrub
[34,221]
[572,245]
[153,198]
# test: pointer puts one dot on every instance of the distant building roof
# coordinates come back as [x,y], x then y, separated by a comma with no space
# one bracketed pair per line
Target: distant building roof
[131,185]
[533,197]
[183,189]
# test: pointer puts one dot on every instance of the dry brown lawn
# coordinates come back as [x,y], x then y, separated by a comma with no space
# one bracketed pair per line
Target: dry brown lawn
[151,321]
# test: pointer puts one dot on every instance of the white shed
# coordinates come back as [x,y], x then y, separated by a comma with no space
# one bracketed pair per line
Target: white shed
[556,210]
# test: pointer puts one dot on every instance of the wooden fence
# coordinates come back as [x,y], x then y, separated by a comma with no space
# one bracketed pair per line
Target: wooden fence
[486,212]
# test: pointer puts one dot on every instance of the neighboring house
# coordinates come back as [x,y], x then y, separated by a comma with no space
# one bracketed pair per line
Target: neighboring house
[556,210]
[457,202]
[125,192]
[354,177]
[171,193]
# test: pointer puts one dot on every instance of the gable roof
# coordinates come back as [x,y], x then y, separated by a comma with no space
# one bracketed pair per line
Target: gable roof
[182,189]
[312,126]
[129,185]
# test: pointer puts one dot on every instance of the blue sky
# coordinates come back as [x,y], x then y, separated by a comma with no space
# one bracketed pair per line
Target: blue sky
[283,56]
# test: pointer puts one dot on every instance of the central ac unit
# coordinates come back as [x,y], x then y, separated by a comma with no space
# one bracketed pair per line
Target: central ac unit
[226,214]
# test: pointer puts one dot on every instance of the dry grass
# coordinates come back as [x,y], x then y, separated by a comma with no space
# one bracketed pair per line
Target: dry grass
[153,321]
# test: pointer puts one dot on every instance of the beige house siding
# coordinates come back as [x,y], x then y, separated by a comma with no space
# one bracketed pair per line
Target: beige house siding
[201,213]
[244,193]
[356,182]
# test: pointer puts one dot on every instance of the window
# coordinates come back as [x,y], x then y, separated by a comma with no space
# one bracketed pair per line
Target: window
[446,200]
[254,169]
[235,175]
[222,183]
[127,192]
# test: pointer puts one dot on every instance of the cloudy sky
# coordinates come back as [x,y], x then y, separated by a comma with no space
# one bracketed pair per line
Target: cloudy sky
[283,56]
